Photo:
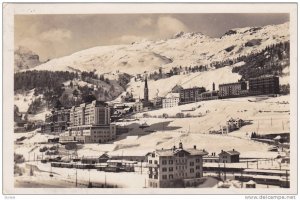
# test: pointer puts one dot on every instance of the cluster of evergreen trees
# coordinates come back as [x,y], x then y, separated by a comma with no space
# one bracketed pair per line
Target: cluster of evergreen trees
[41,79]
[177,71]
[51,86]
[271,61]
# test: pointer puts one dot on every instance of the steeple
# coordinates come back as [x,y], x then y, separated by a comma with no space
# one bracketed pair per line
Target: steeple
[146,97]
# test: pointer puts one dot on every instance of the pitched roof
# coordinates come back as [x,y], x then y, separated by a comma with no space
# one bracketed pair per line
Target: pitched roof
[172,95]
[172,152]
[233,152]
[199,152]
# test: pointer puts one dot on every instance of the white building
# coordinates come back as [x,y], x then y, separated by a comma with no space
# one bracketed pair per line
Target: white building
[89,123]
[176,167]
[138,106]
[171,100]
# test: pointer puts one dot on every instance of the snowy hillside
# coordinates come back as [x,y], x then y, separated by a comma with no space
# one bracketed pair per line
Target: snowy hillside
[198,79]
[183,49]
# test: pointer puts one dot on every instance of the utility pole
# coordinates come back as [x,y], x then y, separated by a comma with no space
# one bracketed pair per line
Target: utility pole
[279,166]
[219,170]
[76,178]
[271,121]
[224,171]
[105,178]
[241,179]
[286,178]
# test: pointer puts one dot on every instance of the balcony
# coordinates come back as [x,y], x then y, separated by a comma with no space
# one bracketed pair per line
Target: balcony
[152,172]
[152,165]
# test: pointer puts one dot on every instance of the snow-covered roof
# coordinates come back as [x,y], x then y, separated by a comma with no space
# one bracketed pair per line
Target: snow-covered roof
[173,95]
[172,152]
[251,182]
[233,152]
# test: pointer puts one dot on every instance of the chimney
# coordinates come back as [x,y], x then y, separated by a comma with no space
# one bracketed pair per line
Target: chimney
[195,146]
[174,147]
[180,145]
[232,149]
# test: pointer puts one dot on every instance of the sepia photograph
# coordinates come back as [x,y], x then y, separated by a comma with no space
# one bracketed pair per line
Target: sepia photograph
[150,98]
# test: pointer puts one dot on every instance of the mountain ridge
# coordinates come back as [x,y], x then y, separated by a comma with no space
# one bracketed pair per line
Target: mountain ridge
[183,49]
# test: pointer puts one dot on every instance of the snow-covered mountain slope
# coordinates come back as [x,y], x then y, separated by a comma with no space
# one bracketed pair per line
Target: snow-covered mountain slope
[184,49]
[162,87]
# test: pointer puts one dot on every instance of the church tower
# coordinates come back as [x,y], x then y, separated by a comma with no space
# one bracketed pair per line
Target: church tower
[146,95]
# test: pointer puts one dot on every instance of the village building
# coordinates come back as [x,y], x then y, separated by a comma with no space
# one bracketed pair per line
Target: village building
[177,89]
[230,90]
[157,102]
[209,95]
[234,124]
[229,156]
[175,167]
[138,106]
[264,85]
[171,100]
[93,160]
[89,123]
[190,95]
[57,121]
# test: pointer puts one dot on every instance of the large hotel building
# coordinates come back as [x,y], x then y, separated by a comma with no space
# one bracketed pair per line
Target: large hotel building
[90,123]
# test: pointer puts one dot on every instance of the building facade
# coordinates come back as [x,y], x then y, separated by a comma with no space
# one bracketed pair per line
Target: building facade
[210,95]
[229,156]
[230,90]
[171,100]
[56,122]
[264,85]
[176,167]
[191,94]
[90,123]
[138,106]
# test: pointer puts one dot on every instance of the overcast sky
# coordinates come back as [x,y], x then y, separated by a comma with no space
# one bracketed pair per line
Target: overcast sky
[53,36]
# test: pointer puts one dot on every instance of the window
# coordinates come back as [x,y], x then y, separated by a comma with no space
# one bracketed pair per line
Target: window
[192,170]
[197,160]
[191,163]
[155,161]
[164,169]
[164,162]
[171,176]
[197,167]
[164,177]
[170,169]
[170,161]
[150,161]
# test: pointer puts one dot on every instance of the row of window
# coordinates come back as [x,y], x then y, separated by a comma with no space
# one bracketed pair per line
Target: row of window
[150,161]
